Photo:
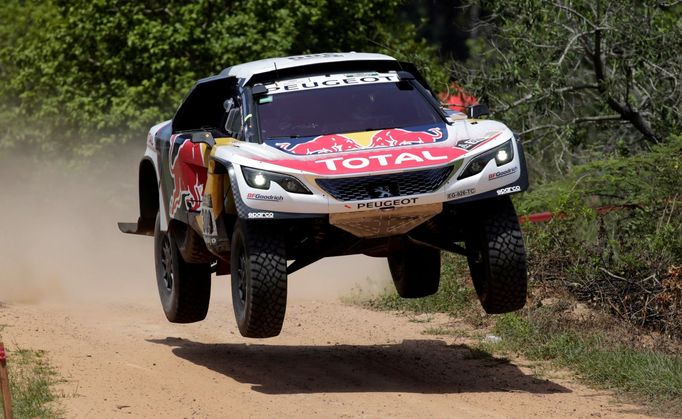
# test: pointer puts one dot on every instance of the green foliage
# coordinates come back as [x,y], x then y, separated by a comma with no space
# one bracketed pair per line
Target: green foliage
[80,74]
[626,260]
[31,385]
[24,27]
[579,78]
[596,357]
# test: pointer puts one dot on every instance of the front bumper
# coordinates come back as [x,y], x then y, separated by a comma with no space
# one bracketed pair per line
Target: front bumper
[366,192]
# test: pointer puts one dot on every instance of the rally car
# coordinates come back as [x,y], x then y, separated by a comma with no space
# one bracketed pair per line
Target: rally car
[275,164]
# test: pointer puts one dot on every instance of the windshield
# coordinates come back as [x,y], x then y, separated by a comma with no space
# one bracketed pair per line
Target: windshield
[343,110]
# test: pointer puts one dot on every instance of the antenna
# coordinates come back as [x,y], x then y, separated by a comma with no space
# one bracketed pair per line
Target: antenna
[276,73]
[386,47]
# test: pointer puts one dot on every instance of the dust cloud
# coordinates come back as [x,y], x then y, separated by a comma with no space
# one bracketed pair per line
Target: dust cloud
[58,235]
[59,241]
[347,276]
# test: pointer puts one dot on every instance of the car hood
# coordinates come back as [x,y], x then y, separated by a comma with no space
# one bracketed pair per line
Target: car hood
[380,150]
[364,140]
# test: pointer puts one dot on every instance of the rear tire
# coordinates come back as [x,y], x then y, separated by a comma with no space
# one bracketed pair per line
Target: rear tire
[415,270]
[497,257]
[184,288]
[191,244]
[259,279]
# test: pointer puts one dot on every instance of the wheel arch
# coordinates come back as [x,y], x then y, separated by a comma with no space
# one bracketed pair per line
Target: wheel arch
[230,186]
[148,187]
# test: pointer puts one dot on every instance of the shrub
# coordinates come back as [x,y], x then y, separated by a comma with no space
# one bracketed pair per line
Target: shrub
[616,238]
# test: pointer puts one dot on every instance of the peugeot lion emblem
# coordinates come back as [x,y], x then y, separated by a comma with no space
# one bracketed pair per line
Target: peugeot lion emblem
[382,192]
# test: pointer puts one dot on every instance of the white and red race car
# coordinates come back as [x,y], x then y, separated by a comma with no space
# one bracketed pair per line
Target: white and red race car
[275,164]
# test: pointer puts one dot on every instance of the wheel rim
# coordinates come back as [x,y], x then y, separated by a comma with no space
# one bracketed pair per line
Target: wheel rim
[167,263]
[241,275]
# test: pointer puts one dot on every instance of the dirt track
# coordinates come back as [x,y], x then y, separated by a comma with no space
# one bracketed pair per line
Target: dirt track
[85,293]
[331,361]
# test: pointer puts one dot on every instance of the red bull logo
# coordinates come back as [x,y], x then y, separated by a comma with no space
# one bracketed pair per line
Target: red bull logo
[336,143]
[332,143]
[189,175]
[399,137]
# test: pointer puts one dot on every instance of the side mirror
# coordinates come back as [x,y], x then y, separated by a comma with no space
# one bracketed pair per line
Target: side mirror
[453,115]
[233,122]
[477,110]
[203,137]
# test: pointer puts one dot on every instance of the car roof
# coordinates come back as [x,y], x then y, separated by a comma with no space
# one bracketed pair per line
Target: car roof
[247,70]
[203,106]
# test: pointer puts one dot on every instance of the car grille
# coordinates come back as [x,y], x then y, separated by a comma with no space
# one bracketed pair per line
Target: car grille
[384,186]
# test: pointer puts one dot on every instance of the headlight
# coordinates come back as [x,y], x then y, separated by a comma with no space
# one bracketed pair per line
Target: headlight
[502,154]
[261,179]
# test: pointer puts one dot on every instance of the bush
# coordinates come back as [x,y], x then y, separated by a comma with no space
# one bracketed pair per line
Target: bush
[624,257]
[79,75]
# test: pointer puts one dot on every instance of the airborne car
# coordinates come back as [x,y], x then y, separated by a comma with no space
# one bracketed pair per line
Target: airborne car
[275,164]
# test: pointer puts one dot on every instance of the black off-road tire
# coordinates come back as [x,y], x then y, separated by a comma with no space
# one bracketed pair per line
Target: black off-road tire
[259,279]
[184,288]
[415,270]
[497,257]
[191,244]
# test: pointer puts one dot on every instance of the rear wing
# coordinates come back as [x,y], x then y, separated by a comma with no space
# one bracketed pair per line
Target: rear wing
[356,66]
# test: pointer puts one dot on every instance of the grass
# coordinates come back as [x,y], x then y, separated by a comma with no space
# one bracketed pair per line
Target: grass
[32,382]
[420,318]
[438,331]
[446,331]
[598,357]
[600,351]
[453,297]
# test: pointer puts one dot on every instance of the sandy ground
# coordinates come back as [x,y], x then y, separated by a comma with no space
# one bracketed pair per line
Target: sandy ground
[71,285]
[331,360]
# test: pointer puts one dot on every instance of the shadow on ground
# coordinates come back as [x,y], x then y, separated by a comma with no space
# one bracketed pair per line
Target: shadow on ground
[413,366]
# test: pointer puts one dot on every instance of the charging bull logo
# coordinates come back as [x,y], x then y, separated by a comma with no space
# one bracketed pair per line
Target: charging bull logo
[336,143]
[189,175]
[333,143]
[399,137]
